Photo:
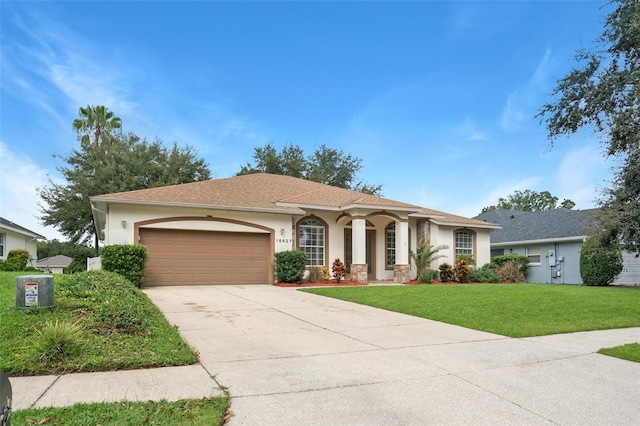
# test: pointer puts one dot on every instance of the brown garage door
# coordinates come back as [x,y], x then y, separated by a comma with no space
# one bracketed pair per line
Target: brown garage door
[178,257]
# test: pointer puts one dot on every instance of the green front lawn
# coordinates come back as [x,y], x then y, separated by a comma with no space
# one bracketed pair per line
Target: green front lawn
[119,328]
[515,310]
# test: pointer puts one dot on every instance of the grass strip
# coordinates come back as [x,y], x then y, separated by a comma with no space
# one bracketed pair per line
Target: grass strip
[206,411]
[630,352]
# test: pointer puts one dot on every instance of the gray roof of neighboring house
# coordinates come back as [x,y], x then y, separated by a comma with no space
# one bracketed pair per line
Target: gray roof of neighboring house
[4,223]
[543,225]
[59,261]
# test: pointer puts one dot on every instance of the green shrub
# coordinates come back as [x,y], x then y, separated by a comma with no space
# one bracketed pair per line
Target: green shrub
[58,340]
[600,263]
[446,272]
[428,276]
[290,266]
[315,275]
[467,258]
[126,260]
[511,272]
[16,260]
[461,271]
[486,274]
[501,260]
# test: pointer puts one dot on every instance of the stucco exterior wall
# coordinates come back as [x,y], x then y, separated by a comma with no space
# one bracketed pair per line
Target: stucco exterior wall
[14,240]
[444,235]
[121,220]
[559,262]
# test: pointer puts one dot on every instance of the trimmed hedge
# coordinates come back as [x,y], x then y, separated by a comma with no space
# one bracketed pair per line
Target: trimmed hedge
[126,260]
[290,266]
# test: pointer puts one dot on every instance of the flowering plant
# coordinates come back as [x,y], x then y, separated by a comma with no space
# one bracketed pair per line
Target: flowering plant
[325,273]
[339,270]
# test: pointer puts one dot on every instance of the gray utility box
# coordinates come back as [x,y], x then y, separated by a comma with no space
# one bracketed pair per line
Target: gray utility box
[34,290]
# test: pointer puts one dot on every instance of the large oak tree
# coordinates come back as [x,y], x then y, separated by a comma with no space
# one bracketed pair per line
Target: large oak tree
[530,201]
[326,165]
[602,93]
[116,163]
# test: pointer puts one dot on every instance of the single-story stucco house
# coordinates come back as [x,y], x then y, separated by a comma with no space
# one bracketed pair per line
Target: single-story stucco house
[226,231]
[54,264]
[14,236]
[552,239]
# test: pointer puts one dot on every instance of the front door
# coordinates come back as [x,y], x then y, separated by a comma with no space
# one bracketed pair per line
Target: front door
[370,251]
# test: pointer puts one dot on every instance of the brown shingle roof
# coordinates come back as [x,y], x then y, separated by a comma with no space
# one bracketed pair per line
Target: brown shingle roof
[268,192]
[260,191]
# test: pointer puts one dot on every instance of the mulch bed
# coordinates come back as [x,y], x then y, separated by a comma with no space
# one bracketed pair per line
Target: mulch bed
[332,283]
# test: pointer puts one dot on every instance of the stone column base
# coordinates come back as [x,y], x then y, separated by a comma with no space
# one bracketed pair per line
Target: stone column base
[359,273]
[401,273]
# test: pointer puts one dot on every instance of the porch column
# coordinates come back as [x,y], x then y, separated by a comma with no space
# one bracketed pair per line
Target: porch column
[359,250]
[401,268]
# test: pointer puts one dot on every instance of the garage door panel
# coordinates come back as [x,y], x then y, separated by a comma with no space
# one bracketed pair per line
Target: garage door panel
[180,257]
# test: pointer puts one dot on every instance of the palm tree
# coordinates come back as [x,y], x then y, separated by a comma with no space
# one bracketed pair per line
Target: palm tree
[96,121]
[425,254]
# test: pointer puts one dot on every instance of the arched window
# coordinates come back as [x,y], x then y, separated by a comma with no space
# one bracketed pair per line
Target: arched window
[312,240]
[465,242]
[390,245]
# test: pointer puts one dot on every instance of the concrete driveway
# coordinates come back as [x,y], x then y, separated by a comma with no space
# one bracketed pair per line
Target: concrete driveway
[291,358]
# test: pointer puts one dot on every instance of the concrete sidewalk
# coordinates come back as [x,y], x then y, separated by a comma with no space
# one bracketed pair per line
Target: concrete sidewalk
[291,358]
[170,383]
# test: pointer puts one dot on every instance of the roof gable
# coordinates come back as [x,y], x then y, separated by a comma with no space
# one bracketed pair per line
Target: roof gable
[10,226]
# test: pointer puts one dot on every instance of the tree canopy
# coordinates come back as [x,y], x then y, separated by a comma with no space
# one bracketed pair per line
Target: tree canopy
[326,165]
[118,163]
[602,93]
[530,201]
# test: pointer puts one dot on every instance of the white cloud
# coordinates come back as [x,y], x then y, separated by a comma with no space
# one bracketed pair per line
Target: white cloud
[57,70]
[581,173]
[474,206]
[522,102]
[19,179]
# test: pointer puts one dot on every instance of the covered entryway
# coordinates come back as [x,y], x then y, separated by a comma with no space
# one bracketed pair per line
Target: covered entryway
[182,257]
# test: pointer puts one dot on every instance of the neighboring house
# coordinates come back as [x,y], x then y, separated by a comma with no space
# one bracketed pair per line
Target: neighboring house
[14,236]
[54,265]
[552,239]
[226,231]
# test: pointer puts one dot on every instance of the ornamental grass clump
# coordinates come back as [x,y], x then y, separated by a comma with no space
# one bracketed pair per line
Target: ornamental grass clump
[511,272]
[57,340]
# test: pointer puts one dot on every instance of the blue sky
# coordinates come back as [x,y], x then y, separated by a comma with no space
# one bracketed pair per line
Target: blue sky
[437,98]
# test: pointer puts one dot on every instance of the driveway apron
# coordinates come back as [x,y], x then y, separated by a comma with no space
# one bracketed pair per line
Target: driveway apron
[292,358]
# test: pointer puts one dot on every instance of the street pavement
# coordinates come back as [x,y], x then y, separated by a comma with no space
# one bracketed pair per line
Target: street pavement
[291,358]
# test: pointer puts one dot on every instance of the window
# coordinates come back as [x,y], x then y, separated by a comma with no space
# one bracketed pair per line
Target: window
[533,253]
[311,240]
[464,242]
[390,245]
[2,239]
